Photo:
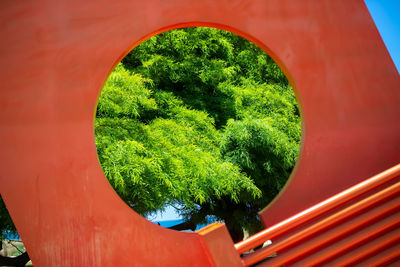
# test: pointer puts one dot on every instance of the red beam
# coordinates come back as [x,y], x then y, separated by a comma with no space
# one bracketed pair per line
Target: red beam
[323,225]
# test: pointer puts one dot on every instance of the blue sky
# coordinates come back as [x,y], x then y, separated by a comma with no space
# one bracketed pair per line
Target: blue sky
[386,18]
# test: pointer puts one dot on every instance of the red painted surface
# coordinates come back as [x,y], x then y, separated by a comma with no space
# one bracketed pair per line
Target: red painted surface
[219,245]
[348,229]
[340,225]
[56,56]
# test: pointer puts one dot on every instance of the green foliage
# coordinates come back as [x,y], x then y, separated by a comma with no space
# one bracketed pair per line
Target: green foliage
[194,63]
[126,96]
[201,118]
[173,158]
[262,151]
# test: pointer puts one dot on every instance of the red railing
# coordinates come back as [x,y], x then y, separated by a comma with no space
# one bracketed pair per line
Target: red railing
[357,225]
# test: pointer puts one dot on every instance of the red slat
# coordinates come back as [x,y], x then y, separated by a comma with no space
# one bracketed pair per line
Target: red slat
[318,209]
[354,234]
[322,225]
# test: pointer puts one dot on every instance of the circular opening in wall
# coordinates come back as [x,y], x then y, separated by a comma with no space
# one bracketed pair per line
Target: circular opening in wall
[199,121]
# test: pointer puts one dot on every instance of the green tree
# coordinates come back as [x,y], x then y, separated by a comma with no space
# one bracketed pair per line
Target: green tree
[199,64]
[215,127]
[173,158]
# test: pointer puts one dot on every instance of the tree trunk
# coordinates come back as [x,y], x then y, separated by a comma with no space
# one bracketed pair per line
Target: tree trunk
[18,261]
